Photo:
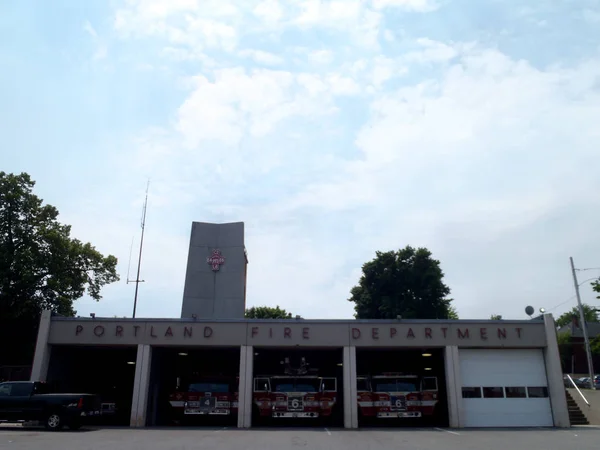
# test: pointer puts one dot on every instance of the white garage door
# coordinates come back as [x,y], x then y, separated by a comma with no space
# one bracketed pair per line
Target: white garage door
[504,388]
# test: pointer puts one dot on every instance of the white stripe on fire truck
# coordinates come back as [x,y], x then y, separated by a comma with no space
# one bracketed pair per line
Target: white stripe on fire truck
[177,404]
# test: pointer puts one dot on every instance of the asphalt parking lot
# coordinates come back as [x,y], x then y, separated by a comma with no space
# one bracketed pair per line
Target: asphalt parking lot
[581,438]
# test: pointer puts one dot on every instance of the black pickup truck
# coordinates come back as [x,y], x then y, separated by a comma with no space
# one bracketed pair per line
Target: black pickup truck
[28,401]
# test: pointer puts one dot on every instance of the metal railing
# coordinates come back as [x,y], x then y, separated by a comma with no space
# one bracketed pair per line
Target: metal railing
[580,393]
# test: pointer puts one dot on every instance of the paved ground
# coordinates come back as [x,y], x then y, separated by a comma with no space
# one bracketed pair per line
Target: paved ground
[580,438]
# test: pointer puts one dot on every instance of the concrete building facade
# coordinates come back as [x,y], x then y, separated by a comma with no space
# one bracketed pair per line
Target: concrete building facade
[534,340]
[491,373]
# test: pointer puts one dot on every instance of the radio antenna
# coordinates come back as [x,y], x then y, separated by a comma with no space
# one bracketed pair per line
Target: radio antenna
[137,280]
[129,265]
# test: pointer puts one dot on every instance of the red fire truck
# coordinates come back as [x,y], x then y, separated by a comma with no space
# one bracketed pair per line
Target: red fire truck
[208,396]
[297,394]
[396,395]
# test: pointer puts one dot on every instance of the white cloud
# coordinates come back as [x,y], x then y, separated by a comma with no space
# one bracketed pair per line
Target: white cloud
[270,11]
[238,102]
[487,108]
[320,56]
[263,57]
[412,5]
[432,51]
[101,49]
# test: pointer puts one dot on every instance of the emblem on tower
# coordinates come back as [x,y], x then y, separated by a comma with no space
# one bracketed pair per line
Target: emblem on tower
[215,260]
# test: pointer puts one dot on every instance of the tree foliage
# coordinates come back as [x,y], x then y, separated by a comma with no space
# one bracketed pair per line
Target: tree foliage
[589,312]
[452,313]
[596,287]
[495,317]
[41,266]
[406,283]
[267,312]
[595,345]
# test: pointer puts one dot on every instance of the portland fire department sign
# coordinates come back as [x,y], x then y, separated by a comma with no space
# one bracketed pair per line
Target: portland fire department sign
[215,260]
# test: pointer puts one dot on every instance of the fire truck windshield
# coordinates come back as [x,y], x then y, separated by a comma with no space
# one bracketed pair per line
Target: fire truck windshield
[395,385]
[209,387]
[295,384]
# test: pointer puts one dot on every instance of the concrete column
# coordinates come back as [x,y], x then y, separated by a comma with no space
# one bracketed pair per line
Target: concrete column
[350,392]
[246,386]
[453,386]
[41,358]
[139,402]
[556,388]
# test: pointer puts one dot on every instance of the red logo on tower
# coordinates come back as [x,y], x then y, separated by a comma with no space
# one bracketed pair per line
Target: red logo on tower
[215,260]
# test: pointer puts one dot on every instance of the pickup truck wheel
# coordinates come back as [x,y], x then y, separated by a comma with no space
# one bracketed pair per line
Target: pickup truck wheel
[53,421]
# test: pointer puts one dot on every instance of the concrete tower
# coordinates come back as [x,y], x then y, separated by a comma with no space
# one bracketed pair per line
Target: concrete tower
[215,280]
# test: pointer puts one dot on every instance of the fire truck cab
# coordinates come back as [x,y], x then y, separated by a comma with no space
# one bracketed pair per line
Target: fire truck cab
[300,393]
[210,396]
[295,396]
[396,395]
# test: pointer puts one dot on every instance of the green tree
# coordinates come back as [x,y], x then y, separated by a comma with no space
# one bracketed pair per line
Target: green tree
[495,317]
[267,312]
[406,283]
[565,349]
[596,287]
[589,312]
[41,266]
[452,313]
[595,345]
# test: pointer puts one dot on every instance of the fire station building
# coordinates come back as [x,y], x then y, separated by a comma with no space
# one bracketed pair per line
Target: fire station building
[473,373]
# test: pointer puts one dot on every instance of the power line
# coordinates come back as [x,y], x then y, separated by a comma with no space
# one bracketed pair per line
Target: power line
[560,304]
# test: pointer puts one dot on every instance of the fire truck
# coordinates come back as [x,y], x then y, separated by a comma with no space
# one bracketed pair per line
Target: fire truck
[206,396]
[299,393]
[397,395]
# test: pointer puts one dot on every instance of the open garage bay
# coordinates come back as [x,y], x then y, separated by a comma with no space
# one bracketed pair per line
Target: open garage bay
[106,371]
[298,387]
[401,387]
[194,386]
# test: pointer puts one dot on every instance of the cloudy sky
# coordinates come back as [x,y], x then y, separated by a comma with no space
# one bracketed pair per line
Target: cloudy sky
[331,128]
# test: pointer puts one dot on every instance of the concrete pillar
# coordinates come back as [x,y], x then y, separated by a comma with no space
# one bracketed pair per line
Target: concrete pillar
[453,386]
[350,392]
[139,402]
[556,388]
[41,358]
[246,386]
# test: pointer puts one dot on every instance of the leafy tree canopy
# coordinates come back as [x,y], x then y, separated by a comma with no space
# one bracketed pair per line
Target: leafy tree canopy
[267,312]
[589,312]
[596,287]
[41,266]
[407,283]
[495,317]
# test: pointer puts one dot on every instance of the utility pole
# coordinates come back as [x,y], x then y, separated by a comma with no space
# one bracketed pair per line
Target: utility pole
[137,280]
[583,325]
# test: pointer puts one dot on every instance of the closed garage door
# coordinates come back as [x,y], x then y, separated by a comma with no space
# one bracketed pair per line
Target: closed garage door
[504,388]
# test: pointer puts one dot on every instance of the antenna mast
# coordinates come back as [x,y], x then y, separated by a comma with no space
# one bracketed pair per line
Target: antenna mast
[137,280]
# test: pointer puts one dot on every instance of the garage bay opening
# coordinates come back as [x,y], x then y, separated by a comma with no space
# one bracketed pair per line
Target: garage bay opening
[105,371]
[297,387]
[401,387]
[194,386]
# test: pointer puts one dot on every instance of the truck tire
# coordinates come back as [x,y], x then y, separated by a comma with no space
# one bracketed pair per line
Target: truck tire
[53,421]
